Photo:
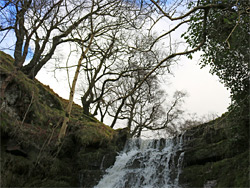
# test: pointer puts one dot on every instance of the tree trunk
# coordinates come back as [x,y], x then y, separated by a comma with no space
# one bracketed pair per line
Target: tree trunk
[72,92]
[117,112]
[71,98]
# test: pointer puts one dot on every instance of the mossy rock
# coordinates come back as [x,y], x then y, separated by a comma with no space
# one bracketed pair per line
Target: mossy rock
[47,183]
[90,178]
[14,169]
[6,62]
[229,172]
[5,123]
[54,183]
[90,160]
[94,134]
[48,97]
[217,153]
[207,153]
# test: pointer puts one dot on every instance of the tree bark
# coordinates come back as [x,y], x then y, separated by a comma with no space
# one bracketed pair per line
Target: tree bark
[72,92]
[71,98]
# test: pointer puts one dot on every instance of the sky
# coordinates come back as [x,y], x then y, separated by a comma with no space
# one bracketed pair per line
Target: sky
[206,94]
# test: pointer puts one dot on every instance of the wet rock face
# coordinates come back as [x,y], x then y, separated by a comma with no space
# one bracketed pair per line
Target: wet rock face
[93,162]
[94,168]
[215,155]
[108,160]
[78,166]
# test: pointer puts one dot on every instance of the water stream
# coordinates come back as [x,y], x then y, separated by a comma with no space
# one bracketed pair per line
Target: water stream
[146,164]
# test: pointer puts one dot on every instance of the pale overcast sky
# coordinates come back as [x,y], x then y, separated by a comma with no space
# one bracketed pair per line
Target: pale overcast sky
[205,93]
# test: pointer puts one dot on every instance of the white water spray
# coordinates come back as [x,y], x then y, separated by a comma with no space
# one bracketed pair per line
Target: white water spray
[146,164]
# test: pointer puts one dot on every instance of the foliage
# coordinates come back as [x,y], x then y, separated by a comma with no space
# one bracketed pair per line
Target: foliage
[226,49]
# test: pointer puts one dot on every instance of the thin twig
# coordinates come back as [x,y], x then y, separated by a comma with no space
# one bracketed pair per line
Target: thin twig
[232,32]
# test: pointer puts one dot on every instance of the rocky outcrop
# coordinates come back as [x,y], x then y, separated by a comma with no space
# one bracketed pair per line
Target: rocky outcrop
[31,116]
[217,153]
[94,159]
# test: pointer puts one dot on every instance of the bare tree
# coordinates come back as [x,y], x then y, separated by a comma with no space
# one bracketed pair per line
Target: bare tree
[172,14]
[141,108]
[138,65]
[40,26]
[101,41]
[167,115]
[177,14]
[149,108]
[73,86]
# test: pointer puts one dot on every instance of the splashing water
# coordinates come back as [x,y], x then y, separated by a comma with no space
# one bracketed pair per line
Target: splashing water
[146,164]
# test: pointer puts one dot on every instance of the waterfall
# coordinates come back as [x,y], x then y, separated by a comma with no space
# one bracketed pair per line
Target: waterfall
[146,164]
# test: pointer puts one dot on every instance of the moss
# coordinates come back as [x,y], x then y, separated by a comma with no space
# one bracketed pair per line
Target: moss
[207,153]
[94,133]
[60,167]
[48,97]
[234,169]
[5,122]
[47,183]
[192,176]
[6,62]
[54,183]
[14,169]
[229,172]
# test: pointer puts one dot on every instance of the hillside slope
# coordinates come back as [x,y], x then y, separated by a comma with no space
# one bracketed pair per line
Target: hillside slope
[31,116]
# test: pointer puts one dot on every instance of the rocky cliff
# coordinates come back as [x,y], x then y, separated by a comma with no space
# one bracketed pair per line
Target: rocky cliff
[31,116]
[217,153]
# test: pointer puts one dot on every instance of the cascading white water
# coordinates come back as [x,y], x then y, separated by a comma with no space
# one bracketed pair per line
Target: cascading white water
[146,164]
